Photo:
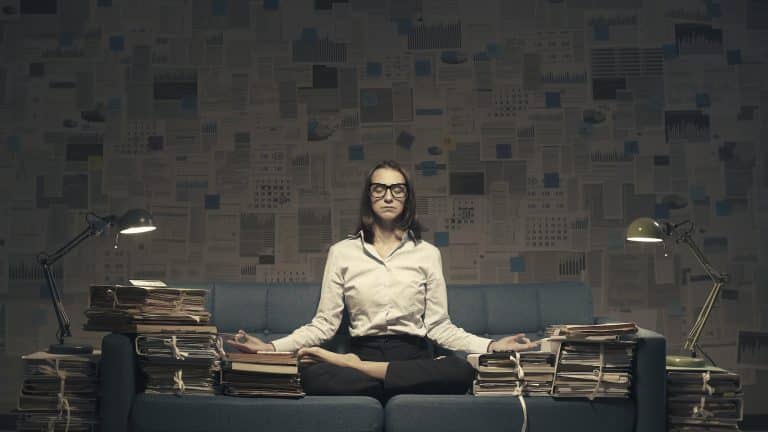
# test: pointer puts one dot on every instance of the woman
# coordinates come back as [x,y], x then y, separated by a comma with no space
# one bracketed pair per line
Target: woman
[392,284]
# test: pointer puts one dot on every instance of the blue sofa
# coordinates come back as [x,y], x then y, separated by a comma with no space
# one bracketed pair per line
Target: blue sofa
[271,311]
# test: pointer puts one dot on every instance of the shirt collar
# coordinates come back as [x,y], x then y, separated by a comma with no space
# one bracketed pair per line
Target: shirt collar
[361,235]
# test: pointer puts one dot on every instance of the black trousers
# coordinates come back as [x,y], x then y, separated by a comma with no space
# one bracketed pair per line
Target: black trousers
[411,370]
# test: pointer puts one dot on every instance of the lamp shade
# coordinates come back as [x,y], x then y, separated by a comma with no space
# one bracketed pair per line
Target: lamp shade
[645,230]
[136,221]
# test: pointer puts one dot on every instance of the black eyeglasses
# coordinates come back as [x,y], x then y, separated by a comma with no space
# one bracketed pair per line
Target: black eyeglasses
[398,190]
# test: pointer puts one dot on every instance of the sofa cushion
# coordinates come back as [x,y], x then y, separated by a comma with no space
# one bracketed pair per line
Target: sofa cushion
[466,307]
[193,413]
[565,302]
[290,306]
[462,413]
[240,305]
[512,308]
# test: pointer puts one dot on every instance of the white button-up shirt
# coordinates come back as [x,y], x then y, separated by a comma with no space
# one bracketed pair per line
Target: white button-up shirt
[401,293]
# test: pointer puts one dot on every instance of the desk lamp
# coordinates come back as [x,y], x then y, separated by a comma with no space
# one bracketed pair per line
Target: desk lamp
[647,230]
[134,221]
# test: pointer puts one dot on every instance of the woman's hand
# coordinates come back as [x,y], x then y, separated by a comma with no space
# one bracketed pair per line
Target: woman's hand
[319,354]
[516,342]
[250,344]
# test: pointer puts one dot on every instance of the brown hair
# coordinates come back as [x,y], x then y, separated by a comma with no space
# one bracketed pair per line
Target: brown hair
[407,218]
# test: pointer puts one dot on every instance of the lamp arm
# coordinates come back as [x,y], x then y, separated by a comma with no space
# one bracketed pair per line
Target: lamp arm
[719,279]
[47,260]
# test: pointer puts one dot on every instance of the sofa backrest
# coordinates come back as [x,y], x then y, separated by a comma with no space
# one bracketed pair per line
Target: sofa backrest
[492,310]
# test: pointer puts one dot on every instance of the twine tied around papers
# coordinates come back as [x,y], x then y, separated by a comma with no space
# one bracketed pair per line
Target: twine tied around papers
[63,404]
[178,304]
[700,411]
[595,390]
[115,302]
[705,387]
[177,353]
[178,382]
[519,386]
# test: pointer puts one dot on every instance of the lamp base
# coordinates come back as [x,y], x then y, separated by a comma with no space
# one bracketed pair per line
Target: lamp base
[685,361]
[70,349]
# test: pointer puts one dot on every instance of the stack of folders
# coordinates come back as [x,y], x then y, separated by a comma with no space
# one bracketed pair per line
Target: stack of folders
[510,373]
[120,308]
[593,361]
[266,374]
[703,399]
[58,393]
[179,359]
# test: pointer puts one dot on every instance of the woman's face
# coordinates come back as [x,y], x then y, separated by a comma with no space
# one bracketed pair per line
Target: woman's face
[387,193]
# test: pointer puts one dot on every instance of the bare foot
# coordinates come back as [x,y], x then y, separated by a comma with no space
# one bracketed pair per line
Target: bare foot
[320,354]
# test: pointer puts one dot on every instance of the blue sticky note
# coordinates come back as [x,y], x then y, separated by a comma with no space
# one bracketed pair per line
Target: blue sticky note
[404,26]
[212,201]
[116,43]
[271,4]
[552,180]
[373,69]
[722,208]
[661,211]
[670,51]
[114,104]
[493,50]
[189,103]
[552,99]
[503,151]
[702,100]
[219,7]
[631,147]
[734,57]
[601,31]
[369,99]
[441,238]
[517,264]
[356,152]
[66,39]
[309,34]
[13,143]
[423,67]
[697,192]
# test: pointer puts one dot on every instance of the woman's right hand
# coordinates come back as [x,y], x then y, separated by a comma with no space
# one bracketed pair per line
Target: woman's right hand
[250,344]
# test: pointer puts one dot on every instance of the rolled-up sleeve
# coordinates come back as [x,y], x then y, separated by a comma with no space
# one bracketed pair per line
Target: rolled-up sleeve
[440,329]
[329,311]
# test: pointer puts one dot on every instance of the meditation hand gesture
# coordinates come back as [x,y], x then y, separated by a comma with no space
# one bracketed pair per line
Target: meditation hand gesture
[244,342]
[516,342]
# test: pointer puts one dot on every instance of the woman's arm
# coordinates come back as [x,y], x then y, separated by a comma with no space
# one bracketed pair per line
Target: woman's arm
[329,310]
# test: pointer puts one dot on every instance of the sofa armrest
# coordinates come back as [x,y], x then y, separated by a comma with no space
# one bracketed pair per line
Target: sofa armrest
[650,381]
[118,382]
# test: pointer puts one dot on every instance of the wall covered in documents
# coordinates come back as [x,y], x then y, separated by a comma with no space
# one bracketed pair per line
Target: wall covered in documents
[534,130]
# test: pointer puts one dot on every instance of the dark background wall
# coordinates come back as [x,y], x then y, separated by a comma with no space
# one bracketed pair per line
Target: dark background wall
[535,130]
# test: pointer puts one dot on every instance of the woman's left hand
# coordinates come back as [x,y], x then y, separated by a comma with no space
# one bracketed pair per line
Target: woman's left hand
[516,342]
[320,354]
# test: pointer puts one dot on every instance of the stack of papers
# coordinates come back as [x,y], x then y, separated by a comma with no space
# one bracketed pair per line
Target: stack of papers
[268,374]
[529,373]
[120,308]
[703,399]
[594,369]
[179,360]
[59,392]
[595,332]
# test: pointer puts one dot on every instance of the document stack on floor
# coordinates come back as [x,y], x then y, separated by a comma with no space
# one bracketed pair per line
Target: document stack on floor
[703,399]
[59,392]
[510,373]
[268,374]
[593,361]
[179,359]
[120,308]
